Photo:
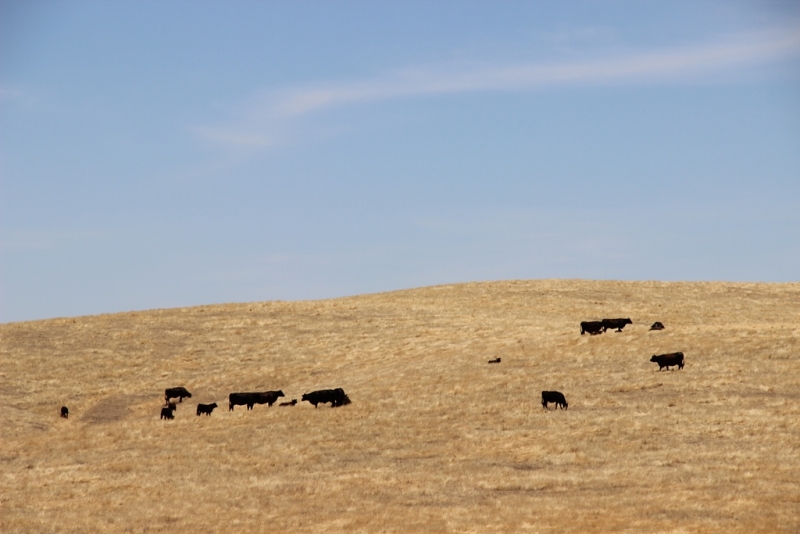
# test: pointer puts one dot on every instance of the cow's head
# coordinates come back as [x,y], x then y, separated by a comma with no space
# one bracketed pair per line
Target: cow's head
[280,393]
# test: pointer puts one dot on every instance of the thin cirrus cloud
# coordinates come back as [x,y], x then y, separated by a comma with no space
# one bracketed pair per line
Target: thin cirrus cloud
[272,118]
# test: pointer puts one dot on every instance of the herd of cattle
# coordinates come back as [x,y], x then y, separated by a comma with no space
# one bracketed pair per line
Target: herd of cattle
[599,327]
[337,397]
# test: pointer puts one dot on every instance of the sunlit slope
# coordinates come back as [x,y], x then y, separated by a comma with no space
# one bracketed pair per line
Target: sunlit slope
[436,439]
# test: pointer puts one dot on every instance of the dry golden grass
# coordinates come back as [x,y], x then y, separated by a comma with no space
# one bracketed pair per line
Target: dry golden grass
[436,440]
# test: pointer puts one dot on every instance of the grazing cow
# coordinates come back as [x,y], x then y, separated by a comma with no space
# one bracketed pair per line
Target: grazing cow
[176,393]
[619,324]
[166,413]
[555,397]
[337,397]
[668,360]
[496,360]
[290,403]
[206,408]
[657,326]
[593,327]
[64,412]
[250,399]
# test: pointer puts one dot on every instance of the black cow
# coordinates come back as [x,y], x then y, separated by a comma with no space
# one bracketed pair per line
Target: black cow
[290,403]
[668,360]
[657,326]
[166,413]
[250,399]
[64,412]
[176,393]
[496,360]
[593,327]
[206,408]
[337,397]
[619,324]
[555,397]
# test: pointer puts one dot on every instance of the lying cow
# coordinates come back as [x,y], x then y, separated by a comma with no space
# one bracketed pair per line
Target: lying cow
[64,412]
[166,413]
[250,399]
[593,327]
[555,397]
[668,360]
[337,397]
[496,360]
[290,403]
[657,326]
[206,408]
[619,324]
[176,393]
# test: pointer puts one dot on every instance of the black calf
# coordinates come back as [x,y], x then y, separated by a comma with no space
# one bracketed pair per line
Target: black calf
[206,408]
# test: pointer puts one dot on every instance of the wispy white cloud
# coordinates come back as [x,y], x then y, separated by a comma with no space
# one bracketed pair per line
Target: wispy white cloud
[665,65]
[683,64]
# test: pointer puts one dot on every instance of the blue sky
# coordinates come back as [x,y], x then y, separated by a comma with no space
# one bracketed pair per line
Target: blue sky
[162,154]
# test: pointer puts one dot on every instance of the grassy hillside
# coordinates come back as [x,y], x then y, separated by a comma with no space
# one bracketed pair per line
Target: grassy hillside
[436,440]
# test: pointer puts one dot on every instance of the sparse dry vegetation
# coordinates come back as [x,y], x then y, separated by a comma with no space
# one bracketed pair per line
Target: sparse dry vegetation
[436,440]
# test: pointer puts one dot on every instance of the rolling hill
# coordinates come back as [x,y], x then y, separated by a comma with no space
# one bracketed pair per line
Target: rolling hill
[436,439]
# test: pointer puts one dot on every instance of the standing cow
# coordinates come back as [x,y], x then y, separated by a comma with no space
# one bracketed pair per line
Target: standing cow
[619,324]
[555,397]
[337,397]
[592,327]
[668,360]
[252,398]
[176,393]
